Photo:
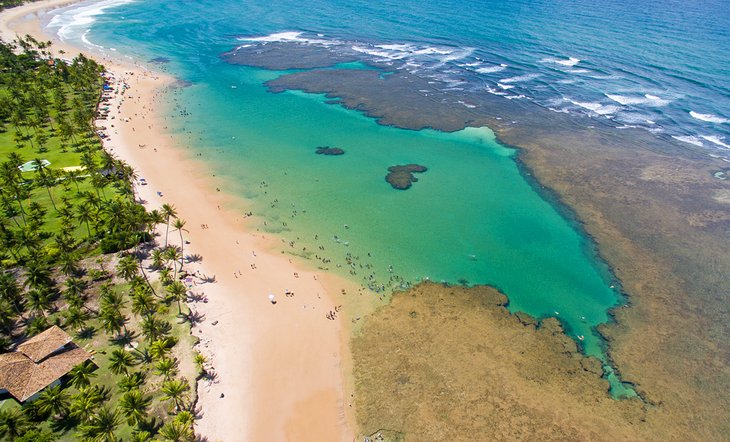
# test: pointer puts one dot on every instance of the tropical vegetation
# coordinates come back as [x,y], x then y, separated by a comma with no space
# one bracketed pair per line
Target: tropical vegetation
[78,251]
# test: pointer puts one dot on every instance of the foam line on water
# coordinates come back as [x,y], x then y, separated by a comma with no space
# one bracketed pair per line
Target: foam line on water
[710,118]
[75,23]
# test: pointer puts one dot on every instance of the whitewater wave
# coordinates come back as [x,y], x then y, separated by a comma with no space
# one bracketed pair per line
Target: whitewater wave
[710,118]
[290,37]
[598,108]
[490,69]
[570,62]
[647,99]
[690,139]
[520,78]
[75,22]
[720,141]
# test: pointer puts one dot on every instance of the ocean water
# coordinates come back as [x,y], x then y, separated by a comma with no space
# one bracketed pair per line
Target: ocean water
[472,217]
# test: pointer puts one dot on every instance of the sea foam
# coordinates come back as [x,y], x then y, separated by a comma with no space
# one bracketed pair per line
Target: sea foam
[76,22]
[710,118]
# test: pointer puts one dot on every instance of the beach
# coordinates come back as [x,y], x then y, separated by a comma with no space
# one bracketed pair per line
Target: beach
[278,366]
[582,182]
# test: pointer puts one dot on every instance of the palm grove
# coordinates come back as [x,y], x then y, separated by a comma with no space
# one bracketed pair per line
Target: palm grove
[77,251]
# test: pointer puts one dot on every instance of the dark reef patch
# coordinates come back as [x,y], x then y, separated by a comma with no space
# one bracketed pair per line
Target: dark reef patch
[282,56]
[160,60]
[401,177]
[332,151]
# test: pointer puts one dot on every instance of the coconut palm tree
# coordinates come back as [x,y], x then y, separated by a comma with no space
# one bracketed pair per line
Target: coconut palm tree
[75,318]
[199,359]
[143,303]
[134,405]
[85,402]
[81,374]
[37,275]
[10,291]
[175,390]
[120,361]
[158,259]
[113,321]
[160,348]
[13,423]
[155,328]
[45,177]
[175,431]
[53,401]
[85,214]
[168,210]
[102,425]
[179,224]
[132,381]
[173,254]
[39,301]
[166,367]
[178,292]
[127,267]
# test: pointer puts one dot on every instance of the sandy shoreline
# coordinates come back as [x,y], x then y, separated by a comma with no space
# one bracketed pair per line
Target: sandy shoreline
[279,366]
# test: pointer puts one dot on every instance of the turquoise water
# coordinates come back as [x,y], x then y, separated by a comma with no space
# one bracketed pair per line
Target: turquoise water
[472,217]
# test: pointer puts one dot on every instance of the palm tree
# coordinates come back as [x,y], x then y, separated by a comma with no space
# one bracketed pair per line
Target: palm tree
[179,224]
[81,374]
[13,423]
[141,436]
[120,360]
[45,178]
[127,267]
[39,301]
[37,275]
[175,431]
[134,406]
[166,367]
[76,318]
[173,254]
[85,402]
[160,348]
[132,381]
[175,390]
[10,290]
[143,303]
[85,213]
[53,401]
[169,211]
[154,328]
[178,292]
[101,426]
[157,259]
[199,359]
[113,321]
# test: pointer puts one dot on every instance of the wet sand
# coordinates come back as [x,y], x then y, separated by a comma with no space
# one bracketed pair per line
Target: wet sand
[278,367]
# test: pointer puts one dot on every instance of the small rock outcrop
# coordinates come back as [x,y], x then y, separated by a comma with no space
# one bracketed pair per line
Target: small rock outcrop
[326,150]
[401,177]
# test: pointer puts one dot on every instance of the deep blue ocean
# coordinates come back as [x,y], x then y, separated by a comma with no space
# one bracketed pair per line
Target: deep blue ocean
[472,218]
[659,65]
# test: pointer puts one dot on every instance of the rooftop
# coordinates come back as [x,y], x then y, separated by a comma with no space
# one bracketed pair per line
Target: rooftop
[38,362]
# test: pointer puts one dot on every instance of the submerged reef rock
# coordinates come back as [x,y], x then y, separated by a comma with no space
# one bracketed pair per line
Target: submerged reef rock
[401,177]
[326,150]
[444,363]
[282,56]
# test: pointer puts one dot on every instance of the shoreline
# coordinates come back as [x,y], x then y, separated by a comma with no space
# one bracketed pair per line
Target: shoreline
[279,368]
